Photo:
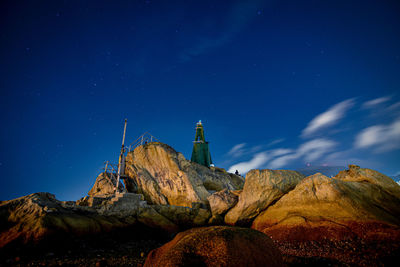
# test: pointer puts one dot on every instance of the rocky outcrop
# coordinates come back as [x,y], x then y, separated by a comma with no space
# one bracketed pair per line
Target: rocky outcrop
[38,216]
[165,177]
[357,202]
[307,217]
[261,189]
[217,246]
[104,185]
[357,174]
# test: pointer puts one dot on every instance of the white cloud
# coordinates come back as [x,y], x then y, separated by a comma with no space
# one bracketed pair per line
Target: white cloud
[237,150]
[243,167]
[314,149]
[258,160]
[280,151]
[282,161]
[381,137]
[376,101]
[276,141]
[328,118]
[310,151]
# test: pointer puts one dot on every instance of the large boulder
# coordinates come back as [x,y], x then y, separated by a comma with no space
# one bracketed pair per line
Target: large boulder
[104,185]
[164,176]
[261,189]
[217,246]
[347,206]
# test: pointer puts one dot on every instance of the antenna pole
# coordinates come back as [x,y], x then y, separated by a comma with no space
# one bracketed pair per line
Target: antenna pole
[105,169]
[121,157]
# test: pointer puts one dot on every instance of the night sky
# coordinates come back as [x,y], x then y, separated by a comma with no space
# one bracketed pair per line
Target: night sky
[277,84]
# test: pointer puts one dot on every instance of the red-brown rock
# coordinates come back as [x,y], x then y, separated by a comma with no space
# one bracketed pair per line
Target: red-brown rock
[217,246]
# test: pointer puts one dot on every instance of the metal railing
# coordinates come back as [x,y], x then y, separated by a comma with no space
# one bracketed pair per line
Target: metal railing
[112,169]
[142,140]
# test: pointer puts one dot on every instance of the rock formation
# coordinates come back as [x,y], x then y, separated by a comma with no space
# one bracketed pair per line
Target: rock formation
[104,185]
[357,174]
[165,177]
[357,202]
[36,216]
[217,246]
[168,192]
[220,202]
[261,189]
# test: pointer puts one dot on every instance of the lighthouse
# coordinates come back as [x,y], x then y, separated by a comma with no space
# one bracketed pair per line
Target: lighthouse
[201,153]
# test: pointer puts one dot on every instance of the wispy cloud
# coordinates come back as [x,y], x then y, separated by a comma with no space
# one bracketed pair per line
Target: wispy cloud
[237,150]
[380,137]
[377,101]
[394,107]
[309,151]
[282,161]
[276,141]
[258,160]
[328,118]
[238,17]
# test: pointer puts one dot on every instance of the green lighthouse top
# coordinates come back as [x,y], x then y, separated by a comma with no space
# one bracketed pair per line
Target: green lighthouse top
[201,152]
[199,138]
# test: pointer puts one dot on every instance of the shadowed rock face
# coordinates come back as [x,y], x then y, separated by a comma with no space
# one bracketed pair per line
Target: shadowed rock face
[261,189]
[164,176]
[217,246]
[358,202]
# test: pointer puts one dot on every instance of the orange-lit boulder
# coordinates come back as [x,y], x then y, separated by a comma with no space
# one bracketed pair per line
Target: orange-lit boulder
[217,246]
[165,177]
[357,202]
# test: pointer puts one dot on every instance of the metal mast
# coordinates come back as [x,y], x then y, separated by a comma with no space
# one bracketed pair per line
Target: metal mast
[121,157]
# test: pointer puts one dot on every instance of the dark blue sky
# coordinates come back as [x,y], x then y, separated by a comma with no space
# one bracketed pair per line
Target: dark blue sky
[277,84]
